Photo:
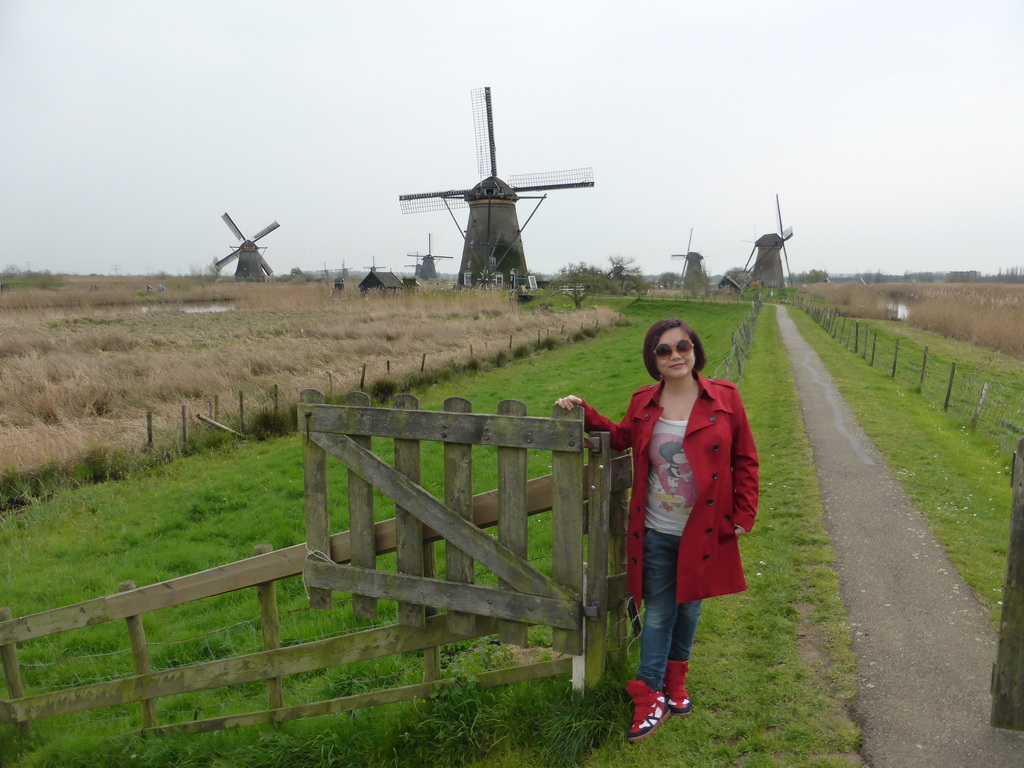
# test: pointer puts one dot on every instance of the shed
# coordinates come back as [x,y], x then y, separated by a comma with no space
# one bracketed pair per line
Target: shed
[381,281]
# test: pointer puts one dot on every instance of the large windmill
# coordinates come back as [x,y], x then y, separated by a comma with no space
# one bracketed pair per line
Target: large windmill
[251,264]
[425,267]
[770,249]
[694,267]
[493,247]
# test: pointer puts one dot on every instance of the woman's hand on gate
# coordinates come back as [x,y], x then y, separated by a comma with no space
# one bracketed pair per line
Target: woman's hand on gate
[568,402]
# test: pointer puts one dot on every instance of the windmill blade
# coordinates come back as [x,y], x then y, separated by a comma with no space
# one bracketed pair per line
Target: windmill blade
[227,259]
[747,266]
[537,182]
[266,230]
[788,273]
[265,267]
[433,201]
[232,227]
[483,128]
[690,241]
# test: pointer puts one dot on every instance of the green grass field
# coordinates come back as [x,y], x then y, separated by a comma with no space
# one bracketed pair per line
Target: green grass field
[772,675]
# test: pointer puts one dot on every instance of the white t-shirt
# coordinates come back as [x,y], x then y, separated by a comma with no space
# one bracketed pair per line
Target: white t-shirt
[671,488]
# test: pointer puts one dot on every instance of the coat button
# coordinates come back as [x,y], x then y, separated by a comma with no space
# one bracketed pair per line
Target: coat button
[709,530]
[714,448]
[728,517]
[710,502]
[707,557]
[634,560]
[714,475]
[714,418]
[647,415]
[636,535]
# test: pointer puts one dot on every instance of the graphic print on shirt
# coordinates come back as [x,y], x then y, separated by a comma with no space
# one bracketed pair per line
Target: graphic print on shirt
[672,482]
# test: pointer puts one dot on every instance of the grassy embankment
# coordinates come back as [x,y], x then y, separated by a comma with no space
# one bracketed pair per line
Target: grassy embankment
[772,673]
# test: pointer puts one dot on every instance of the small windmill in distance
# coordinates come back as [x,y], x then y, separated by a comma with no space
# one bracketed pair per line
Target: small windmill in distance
[251,264]
[770,249]
[493,248]
[427,269]
[693,270]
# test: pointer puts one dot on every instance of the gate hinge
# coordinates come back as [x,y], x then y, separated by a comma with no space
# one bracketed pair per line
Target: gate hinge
[591,611]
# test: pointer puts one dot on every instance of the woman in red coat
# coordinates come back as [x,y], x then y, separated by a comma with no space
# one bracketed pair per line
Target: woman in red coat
[695,488]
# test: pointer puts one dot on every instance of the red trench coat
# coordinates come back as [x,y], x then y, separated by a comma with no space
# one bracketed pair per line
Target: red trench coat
[720,448]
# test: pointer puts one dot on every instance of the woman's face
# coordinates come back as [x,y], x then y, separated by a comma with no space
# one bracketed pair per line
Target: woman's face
[678,365]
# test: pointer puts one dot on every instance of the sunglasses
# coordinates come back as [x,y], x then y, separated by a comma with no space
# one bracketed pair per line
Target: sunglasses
[664,351]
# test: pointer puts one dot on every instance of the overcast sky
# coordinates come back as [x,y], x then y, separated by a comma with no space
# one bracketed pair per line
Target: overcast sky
[891,131]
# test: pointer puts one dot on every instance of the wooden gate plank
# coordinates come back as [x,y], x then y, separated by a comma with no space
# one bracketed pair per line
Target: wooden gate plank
[512,477]
[314,480]
[408,529]
[450,427]
[458,497]
[470,598]
[463,533]
[360,517]
[567,529]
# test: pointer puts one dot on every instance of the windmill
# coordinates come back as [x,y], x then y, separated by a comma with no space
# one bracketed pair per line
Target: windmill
[493,247]
[768,265]
[693,270]
[251,264]
[427,269]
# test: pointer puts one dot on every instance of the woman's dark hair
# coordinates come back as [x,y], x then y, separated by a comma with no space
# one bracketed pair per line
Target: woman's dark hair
[651,341]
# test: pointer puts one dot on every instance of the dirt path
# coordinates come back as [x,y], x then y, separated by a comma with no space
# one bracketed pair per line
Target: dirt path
[923,643]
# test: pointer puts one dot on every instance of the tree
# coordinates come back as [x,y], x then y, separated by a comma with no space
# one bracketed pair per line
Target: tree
[628,277]
[669,280]
[580,280]
[810,276]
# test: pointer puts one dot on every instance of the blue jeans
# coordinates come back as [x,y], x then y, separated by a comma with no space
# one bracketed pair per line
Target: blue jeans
[669,626]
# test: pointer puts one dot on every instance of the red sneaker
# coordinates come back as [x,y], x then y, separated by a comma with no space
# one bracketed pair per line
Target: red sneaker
[649,710]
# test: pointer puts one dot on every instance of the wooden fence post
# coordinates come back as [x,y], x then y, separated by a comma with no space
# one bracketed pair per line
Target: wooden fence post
[595,594]
[184,429]
[981,402]
[949,387]
[270,627]
[149,430]
[1008,672]
[140,654]
[895,357]
[856,338]
[408,529]
[12,673]
[924,365]
[216,407]
[314,477]
[874,343]
[241,411]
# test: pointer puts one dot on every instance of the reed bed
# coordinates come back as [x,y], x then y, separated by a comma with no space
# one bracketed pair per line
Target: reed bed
[990,315]
[76,375]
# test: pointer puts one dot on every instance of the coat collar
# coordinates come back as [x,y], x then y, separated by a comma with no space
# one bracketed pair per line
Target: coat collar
[654,391]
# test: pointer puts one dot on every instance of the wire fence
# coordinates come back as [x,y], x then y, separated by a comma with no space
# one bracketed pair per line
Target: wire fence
[731,368]
[988,401]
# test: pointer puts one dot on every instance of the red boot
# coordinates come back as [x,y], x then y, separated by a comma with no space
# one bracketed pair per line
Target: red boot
[675,687]
[649,710]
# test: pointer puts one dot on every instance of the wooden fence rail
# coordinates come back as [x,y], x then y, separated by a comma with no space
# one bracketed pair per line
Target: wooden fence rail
[586,616]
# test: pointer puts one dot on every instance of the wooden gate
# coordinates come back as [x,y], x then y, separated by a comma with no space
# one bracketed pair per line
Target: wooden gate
[572,599]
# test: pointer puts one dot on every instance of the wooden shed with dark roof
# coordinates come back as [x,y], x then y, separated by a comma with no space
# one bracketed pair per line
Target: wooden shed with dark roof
[381,281]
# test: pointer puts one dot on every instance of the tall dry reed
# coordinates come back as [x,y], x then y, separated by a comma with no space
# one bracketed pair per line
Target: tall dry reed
[990,315]
[74,376]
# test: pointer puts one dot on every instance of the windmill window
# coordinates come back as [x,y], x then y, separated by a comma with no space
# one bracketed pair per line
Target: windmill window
[491,261]
[499,279]
[467,278]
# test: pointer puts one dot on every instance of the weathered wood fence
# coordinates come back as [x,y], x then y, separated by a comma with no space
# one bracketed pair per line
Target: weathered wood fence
[582,599]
